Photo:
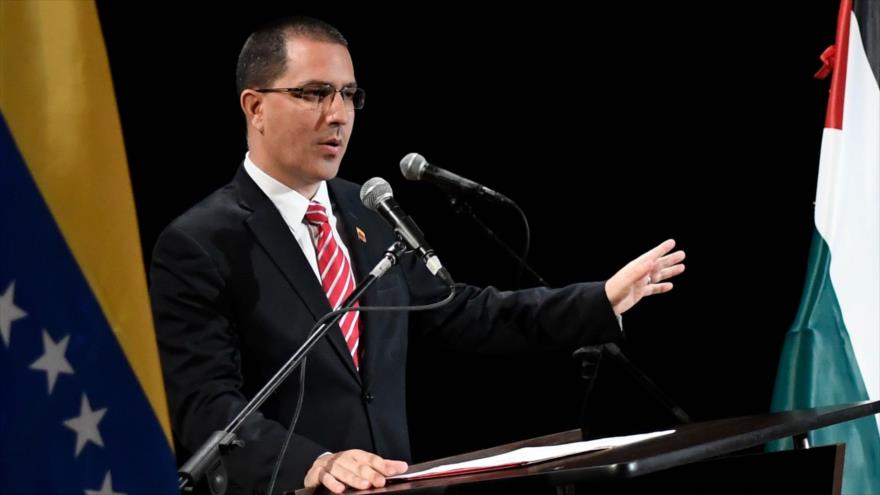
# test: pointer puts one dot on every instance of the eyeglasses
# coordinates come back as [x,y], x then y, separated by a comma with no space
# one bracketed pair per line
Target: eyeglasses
[317,93]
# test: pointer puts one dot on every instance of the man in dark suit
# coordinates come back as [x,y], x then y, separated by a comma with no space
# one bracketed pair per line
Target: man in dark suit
[238,280]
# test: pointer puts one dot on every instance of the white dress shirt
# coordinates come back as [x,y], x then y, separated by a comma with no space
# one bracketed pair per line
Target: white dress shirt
[292,206]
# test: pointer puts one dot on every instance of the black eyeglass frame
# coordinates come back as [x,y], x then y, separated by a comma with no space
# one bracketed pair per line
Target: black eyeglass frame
[352,94]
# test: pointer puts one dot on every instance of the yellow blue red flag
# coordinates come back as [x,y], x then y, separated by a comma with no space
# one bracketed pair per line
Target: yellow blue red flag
[82,406]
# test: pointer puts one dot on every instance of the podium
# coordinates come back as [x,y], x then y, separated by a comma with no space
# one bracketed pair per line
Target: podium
[696,458]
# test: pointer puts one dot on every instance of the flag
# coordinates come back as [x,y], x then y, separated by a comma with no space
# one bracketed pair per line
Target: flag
[82,406]
[831,353]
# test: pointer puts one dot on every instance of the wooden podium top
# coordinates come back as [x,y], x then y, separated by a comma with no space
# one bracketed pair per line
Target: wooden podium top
[690,443]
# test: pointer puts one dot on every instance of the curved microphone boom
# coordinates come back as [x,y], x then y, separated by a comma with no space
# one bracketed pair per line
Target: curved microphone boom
[376,195]
[414,167]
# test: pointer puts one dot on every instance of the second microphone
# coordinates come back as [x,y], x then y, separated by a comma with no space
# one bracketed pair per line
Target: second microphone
[376,195]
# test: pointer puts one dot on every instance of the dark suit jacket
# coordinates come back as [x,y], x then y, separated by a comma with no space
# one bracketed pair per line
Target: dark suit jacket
[233,297]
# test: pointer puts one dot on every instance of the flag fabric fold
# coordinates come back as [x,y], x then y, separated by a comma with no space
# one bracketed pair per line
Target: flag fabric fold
[83,405]
[831,354]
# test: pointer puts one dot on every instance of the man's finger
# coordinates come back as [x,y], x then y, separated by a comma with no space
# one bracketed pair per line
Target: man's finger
[395,467]
[671,259]
[330,482]
[672,271]
[660,288]
[661,249]
[344,472]
[384,466]
[374,462]
[370,474]
[318,475]
[361,467]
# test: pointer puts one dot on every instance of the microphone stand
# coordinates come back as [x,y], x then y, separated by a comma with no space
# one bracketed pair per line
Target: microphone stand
[207,461]
[463,208]
[590,355]
[647,384]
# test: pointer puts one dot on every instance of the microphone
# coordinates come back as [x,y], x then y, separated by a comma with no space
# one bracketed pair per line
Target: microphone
[376,195]
[414,167]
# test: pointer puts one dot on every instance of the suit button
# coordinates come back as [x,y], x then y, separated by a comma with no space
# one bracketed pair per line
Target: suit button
[369,396]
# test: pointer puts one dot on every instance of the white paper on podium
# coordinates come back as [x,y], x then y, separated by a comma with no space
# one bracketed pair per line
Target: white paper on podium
[527,455]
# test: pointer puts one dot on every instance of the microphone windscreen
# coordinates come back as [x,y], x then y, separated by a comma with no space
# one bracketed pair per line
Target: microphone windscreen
[374,191]
[412,166]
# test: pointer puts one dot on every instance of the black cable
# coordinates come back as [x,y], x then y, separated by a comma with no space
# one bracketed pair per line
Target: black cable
[525,252]
[302,372]
[299,402]
[462,208]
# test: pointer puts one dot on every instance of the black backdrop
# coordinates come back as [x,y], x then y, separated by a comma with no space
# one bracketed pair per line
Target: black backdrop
[614,128]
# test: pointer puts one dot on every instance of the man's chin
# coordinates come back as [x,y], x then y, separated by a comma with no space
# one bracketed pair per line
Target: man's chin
[329,169]
[331,162]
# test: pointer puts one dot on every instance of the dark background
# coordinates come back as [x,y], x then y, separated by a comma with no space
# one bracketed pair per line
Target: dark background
[614,125]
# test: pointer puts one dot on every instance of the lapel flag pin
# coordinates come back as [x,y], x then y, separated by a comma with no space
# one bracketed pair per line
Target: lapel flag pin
[361,235]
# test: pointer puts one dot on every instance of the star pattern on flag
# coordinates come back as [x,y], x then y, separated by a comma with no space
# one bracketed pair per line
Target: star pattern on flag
[106,487]
[86,425]
[9,312]
[53,361]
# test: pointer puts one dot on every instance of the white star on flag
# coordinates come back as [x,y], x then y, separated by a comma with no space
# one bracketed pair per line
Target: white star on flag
[9,312]
[53,361]
[86,425]
[106,488]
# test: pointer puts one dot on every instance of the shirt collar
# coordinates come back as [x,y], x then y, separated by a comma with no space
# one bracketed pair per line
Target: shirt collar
[291,204]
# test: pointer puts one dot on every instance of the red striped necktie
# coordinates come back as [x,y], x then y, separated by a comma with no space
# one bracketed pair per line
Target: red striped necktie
[336,276]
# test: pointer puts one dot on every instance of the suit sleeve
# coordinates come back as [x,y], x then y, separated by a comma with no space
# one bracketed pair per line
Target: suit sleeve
[201,365]
[490,320]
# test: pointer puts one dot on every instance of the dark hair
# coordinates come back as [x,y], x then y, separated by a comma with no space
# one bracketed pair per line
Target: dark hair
[263,57]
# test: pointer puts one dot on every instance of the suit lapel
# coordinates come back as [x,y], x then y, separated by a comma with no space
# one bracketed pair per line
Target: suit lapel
[365,251]
[273,234]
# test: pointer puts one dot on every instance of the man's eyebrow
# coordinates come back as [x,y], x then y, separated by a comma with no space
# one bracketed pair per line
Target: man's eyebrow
[352,84]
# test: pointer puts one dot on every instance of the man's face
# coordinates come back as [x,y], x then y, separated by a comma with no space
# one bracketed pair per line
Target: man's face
[302,141]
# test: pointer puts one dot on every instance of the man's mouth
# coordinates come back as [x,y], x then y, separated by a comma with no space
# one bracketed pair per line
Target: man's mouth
[334,141]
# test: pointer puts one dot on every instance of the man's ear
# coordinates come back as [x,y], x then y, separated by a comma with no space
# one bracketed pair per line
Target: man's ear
[252,105]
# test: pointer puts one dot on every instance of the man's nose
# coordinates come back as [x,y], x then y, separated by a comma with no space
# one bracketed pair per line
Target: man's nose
[337,112]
